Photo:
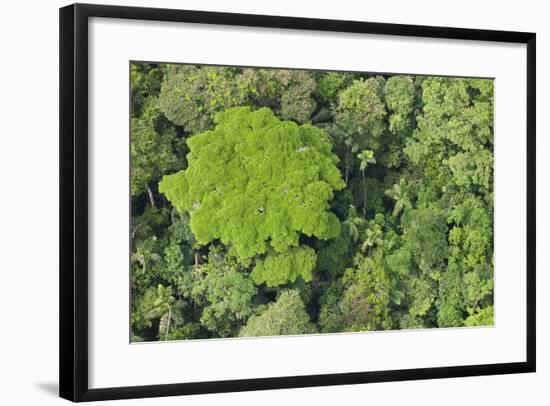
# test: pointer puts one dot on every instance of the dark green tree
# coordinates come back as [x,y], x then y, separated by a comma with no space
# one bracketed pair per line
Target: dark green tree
[191,95]
[152,150]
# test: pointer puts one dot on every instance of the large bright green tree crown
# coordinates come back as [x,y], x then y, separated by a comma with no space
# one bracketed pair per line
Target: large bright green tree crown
[257,183]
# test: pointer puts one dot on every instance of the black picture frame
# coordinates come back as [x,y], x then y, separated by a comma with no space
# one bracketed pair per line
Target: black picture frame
[73,282]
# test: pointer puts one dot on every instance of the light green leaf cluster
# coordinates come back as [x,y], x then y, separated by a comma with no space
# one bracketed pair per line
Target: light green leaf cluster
[228,294]
[483,317]
[366,157]
[286,316]
[400,194]
[257,183]
[329,84]
[454,134]
[361,112]
[424,296]
[400,97]
[278,269]
[469,285]
[365,303]
[155,302]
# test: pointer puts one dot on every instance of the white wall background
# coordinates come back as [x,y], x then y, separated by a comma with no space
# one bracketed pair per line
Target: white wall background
[29,203]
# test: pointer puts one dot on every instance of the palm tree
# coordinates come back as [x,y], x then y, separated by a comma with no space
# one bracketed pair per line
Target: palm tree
[354,224]
[145,253]
[400,194]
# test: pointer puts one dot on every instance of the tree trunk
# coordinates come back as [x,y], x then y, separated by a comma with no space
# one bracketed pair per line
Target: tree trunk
[364,195]
[150,193]
[346,167]
[168,324]
[196,262]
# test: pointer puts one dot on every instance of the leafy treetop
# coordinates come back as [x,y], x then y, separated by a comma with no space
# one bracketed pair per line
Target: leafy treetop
[287,316]
[257,183]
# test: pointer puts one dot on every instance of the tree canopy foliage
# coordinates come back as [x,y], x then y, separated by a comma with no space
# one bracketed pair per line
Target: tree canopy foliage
[256,182]
[286,316]
[275,202]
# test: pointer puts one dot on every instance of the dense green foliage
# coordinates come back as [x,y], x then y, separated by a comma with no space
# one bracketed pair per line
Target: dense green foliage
[284,317]
[271,202]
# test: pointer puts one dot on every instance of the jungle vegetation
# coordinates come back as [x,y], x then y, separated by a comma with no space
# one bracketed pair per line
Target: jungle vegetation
[276,202]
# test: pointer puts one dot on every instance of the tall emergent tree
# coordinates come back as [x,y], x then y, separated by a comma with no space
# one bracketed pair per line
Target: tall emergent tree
[258,184]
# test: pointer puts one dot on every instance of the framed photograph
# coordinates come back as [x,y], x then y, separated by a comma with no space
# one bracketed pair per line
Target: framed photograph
[257,202]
